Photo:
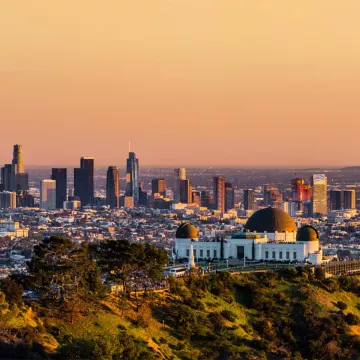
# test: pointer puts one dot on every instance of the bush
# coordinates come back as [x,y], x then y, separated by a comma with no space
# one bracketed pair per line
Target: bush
[228,315]
[341,305]
[352,319]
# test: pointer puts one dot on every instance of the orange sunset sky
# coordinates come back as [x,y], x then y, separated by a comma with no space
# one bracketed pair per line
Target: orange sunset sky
[190,82]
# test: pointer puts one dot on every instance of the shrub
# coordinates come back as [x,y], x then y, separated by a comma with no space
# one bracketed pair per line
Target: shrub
[341,305]
[228,315]
[352,319]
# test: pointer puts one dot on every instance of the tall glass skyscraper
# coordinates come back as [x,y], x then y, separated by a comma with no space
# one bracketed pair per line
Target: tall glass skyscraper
[84,181]
[319,193]
[179,174]
[112,187]
[60,176]
[132,178]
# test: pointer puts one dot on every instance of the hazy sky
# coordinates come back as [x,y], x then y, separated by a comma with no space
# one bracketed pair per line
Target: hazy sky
[190,82]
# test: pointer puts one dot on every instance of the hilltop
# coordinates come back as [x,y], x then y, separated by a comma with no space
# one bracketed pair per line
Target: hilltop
[293,314]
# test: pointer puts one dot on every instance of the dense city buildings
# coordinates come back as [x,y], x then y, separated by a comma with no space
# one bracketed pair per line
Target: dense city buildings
[112,187]
[132,178]
[219,193]
[158,186]
[319,194]
[179,174]
[84,181]
[48,194]
[60,176]
[249,199]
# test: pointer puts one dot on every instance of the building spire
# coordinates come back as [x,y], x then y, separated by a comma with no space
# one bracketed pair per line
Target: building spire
[129,145]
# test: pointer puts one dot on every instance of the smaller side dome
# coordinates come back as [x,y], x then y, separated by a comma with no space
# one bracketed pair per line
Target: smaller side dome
[307,233]
[186,231]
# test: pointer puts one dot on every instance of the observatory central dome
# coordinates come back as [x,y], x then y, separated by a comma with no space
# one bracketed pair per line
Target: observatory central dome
[270,220]
[186,231]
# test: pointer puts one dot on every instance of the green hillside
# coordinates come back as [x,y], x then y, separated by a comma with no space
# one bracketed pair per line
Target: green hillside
[288,315]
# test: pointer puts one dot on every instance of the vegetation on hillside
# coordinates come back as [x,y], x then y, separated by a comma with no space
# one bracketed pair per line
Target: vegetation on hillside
[292,314]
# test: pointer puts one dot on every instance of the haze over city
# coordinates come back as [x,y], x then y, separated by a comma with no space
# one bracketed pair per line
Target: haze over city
[189,82]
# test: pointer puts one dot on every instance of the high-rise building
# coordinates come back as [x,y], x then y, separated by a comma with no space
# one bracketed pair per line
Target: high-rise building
[48,194]
[19,179]
[6,176]
[112,187]
[249,199]
[143,196]
[132,178]
[158,186]
[349,199]
[229,197]
[7,200]
[185,192]
[84,181]
[179,174]
[219,193]
[319,193]
[60,176]
[335,200]
[205,198]
[196,198]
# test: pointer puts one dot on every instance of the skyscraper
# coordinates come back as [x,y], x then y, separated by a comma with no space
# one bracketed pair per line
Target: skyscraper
[6,176]
[132,178]
[219,193]
[249,199]
[112,187]
[335,200]
[185,192]
[84,181]
[349,199]
[158,186]
[319,193]
[19,179]
[7,200]
[48,194]
[60,176]
[179,174]
[229,197]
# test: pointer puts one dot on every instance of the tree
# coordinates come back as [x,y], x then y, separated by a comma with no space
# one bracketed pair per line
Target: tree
[12,290]
[61,270]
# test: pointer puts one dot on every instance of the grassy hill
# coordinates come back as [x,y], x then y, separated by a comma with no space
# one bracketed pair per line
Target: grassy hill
[287,315]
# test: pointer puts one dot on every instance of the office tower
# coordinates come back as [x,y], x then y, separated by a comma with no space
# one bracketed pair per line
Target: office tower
[219,193]
[205,198]
[143,196]
[229,197]
[24,199]
[158,186]
[60,176]
[7,200]
[272,196]
[129,202]
[19,179]
[84,181]
[6,176]
[196,198]
[48,194]
[249,199]
[185,192]
[319,193]
[335,200]
[349,197]
[179,174]
[132,178]
[112,187]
